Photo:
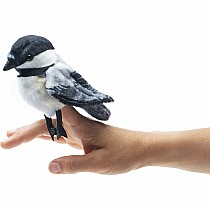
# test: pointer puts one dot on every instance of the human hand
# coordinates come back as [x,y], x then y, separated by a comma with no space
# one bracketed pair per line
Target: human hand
[107,149]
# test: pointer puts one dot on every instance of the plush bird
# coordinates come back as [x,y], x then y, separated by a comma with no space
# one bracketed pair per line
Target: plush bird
[47,83]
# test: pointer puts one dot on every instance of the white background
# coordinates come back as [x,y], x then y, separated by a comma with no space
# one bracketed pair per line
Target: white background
[152,57]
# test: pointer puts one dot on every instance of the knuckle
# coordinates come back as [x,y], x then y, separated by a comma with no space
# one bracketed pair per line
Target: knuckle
[70,167]
[41,125]
[40,122]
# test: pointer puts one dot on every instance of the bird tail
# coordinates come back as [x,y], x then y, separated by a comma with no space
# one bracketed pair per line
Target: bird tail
[99,111]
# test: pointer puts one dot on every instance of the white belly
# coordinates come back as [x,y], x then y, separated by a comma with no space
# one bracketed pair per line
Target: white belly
[33,91]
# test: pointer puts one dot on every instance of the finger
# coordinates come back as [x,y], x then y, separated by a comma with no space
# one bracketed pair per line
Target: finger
[62,140]
[71,116]
[24,134]
[75,163]
[45,137]
[11,132]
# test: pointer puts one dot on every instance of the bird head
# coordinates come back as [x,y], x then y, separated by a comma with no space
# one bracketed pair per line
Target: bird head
[30,52]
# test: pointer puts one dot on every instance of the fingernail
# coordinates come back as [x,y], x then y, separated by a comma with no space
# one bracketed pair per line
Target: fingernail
[55,168]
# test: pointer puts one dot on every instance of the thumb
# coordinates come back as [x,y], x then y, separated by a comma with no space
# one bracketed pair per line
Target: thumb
[74,164]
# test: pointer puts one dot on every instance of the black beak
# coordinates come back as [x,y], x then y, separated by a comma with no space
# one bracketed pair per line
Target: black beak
[9,65]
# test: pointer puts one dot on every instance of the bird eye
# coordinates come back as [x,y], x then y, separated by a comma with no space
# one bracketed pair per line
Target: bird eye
[29,57]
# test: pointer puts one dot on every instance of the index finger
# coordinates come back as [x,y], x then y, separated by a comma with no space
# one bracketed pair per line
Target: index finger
[24,134]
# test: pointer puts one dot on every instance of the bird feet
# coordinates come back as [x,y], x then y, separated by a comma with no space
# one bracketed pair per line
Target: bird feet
[60,131]
[52,132]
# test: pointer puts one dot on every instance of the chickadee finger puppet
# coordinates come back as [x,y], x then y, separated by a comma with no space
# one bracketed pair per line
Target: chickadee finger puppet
[47,83]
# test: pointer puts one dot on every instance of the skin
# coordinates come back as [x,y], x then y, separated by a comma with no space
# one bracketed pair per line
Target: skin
[112,150]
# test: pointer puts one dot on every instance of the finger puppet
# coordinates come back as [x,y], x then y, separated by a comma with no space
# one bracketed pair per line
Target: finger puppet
[47,83]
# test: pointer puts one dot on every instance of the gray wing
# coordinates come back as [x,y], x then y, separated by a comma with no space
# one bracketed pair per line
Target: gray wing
[74,90]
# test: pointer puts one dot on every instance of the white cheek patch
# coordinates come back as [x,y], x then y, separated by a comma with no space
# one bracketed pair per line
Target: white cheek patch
[46,58]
